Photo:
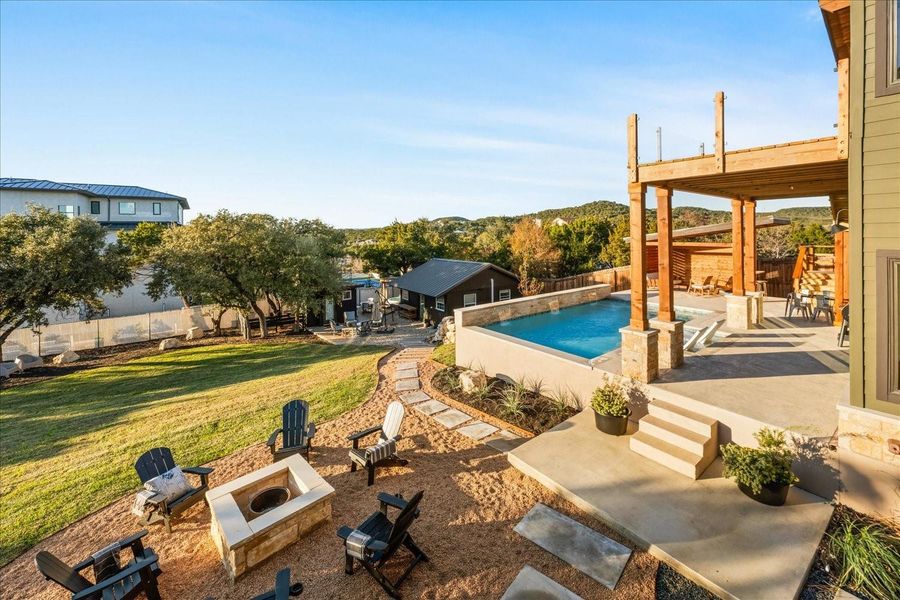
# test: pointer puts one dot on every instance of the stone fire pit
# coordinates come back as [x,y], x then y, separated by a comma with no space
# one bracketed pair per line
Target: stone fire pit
[292,499]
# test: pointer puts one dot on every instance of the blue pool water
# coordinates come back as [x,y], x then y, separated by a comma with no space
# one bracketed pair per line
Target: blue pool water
[585,330]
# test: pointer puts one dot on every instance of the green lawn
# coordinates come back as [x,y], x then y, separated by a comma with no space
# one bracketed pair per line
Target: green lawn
[445,354]
[68,445]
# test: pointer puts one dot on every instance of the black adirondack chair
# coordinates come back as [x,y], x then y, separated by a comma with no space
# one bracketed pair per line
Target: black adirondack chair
[157,461]
[283,588]
[384,452]
[296,435]
[114,582]
[377,539]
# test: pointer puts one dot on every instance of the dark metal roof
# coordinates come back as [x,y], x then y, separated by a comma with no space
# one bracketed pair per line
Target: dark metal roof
[90,189]
[440,275]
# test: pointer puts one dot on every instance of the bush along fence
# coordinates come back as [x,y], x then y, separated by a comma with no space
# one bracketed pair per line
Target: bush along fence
[114,331]
[619,278]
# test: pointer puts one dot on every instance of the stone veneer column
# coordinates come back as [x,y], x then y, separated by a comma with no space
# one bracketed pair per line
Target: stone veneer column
[670,343]
[738,312]
[640,354]
[756,308]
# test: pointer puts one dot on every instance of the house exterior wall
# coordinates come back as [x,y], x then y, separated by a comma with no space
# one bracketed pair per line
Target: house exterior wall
[869,471]
[479,284]
[16,201]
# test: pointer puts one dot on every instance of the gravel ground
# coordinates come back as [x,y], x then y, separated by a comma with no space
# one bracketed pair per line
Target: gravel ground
[473,499]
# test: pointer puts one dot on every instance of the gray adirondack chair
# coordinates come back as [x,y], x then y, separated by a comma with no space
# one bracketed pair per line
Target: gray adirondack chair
[157,461]
[296,431]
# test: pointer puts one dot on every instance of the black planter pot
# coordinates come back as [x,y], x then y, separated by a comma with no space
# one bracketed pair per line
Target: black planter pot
[772,494]
[612,425]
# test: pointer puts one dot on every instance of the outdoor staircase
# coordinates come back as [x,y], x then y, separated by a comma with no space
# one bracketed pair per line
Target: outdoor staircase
[677,438]
[814,269]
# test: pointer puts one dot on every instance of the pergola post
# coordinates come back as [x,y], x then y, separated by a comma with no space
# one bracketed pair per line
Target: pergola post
[738,308]
[671,331]
[756,304]
[639,343]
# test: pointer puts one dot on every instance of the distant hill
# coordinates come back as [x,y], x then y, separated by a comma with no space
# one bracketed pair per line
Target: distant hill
[682,216]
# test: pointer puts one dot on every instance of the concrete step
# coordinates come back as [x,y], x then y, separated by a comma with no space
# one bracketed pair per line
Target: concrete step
[693,442]
[684,418]
[668,455]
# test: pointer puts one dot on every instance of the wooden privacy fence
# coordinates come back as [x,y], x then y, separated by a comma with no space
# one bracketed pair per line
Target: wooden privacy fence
[619,278]
[778,275]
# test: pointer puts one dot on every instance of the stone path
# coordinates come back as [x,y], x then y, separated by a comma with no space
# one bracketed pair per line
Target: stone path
[407,384]
[590,552]
[531,584]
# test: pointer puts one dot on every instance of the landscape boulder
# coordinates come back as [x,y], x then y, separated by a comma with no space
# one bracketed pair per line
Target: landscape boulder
[8,368]
[169,343]
[450,333]
[194,333]
[444,329]
[28,361]
[471,381]
[64,358]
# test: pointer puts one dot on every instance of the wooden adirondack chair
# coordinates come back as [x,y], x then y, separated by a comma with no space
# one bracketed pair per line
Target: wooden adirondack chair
[113,582]
[296,435]
[157,461]
[283,588]
[377,539]
[384,452]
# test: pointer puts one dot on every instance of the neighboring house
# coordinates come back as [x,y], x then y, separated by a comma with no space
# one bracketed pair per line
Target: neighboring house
[116,207]
[442,285]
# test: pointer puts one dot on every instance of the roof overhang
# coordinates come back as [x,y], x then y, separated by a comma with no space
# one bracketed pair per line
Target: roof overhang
[791,170]
[836,15]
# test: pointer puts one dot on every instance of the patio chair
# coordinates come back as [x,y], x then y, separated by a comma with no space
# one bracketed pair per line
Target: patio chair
[385,451]
[283,588]
[824,305]
[113,580]
[704,288]
[296,434]
[377,539]
[800,304]
[845,325]
[703,337]
[335,328]
[154,463]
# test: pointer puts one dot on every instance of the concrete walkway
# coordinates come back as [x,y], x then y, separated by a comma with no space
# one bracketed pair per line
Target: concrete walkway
[706,529]
[408,385]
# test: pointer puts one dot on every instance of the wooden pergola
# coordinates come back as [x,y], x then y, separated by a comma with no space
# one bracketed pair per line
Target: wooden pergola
[816,167]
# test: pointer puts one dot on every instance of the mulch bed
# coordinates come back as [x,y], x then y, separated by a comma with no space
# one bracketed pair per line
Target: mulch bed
[93,358]
[538,412]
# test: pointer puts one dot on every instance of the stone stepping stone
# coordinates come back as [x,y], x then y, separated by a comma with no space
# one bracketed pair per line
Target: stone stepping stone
[407,364]
[587,550]
[430,407]
[451,418]
[504,441]
[477,430]
[407,374]
[531,584]
[413,397]
[406,385]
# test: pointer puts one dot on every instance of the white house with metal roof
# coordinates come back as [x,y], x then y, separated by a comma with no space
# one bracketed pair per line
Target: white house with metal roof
[116,207]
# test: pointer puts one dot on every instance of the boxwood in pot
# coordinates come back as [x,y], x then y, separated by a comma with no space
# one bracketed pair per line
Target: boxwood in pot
[762,473]
[610,404]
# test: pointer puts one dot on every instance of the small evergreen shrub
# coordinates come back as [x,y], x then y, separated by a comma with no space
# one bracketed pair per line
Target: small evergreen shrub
[610,399]
[770,464]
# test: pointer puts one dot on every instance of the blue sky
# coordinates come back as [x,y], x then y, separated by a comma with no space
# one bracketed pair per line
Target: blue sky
[362,113]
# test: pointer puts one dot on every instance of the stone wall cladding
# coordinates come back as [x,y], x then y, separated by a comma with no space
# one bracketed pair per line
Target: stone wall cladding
[867,433]
[531,305]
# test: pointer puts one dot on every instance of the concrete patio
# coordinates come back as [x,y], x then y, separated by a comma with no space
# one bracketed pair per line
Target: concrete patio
[706,529]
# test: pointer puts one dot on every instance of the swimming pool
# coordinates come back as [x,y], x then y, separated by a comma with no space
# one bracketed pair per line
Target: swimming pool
[586,330]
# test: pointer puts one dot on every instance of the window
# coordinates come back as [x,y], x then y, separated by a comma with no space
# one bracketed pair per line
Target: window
[95,207]
[348,295]
[439,304]
[157,208]
[404,295]
[126,208]
[470,299]
[887,48]
[67,209]
[505,294]
[887,318]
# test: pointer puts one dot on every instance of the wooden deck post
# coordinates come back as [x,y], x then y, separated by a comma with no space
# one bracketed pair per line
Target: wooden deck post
[632,148]
[664,245]
[720,132]
[749,245]
[737,246]
[637,193]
